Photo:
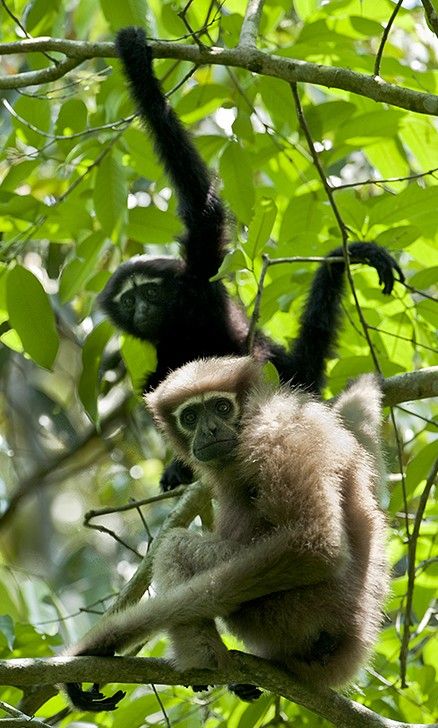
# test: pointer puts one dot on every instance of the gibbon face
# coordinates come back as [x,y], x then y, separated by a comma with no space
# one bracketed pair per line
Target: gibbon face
[140,296]
[209,423]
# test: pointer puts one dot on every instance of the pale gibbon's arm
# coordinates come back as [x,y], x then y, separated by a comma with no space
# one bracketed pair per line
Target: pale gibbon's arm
[276,564]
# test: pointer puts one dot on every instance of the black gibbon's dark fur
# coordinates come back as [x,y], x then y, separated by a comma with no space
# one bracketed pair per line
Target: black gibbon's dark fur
[172,302]
[295,564]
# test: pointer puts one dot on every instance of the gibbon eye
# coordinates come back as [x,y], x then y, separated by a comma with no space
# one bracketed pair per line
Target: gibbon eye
[188,417]
[128,301]
[152,292]
[223,406]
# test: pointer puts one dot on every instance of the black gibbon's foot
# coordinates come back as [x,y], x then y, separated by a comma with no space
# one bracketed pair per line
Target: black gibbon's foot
[92,700]
[201,688]
[177,473]
[245,691]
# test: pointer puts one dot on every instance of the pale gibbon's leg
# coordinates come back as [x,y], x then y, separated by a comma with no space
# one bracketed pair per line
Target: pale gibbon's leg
[181,555]
[197,644]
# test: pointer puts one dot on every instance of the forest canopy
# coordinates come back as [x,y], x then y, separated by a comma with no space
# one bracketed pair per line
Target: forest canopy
[319,120]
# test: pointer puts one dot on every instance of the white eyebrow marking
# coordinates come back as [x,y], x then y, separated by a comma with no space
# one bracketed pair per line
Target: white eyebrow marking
[137,279]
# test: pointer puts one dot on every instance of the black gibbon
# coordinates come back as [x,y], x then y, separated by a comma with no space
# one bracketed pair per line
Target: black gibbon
[172,303]
[295,566]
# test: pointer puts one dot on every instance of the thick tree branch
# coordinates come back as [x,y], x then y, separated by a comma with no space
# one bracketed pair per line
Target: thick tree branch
[411,386]
[336,708]
[249,58]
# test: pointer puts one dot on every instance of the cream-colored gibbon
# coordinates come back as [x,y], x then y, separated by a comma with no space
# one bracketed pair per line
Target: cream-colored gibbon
[295,566]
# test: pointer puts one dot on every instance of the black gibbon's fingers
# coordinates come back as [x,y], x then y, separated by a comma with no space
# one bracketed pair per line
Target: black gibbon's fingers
[377,258]
[92,700]
[177,473]
[245,691]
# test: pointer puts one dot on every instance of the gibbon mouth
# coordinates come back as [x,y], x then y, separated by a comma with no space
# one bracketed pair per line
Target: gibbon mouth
[214,450]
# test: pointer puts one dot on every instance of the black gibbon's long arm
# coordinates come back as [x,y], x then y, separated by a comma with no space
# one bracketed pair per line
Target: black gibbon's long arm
[321,319]
[199,205]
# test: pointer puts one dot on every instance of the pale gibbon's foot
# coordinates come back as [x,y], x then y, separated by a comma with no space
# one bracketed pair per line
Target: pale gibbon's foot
[93,700]
[245,691]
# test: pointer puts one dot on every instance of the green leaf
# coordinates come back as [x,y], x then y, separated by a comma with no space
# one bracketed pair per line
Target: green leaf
[200,101]
[38,115]
[31,315]
[260,227]
[91,358]
[110,193]
[78,270]
[236,173]
[365,26]
[305,8]
[7,630]
[151,225]
[128,12]
[140,358]
[270,374]
[72,117]
[233,261]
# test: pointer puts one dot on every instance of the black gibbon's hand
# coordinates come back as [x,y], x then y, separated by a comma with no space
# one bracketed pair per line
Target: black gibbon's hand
[245,691]
[177,473]
[93,700]
[377,258]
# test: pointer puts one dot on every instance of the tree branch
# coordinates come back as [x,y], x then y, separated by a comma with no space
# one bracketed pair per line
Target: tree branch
[412,551]
[249,58]
[251,24]
[336,708]
[420,384]
[431,15]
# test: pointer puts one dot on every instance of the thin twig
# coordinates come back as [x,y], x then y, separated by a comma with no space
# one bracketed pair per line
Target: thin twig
[342,226]
[256,312]
[109,532]
[385,37]
[134,504]
[387,180]
[412,549]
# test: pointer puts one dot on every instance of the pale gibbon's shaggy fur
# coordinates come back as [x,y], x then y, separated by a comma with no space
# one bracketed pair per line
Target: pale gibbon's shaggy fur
[295,566]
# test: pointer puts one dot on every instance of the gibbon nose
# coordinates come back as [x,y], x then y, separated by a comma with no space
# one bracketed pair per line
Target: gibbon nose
[210,426]
[140,313]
